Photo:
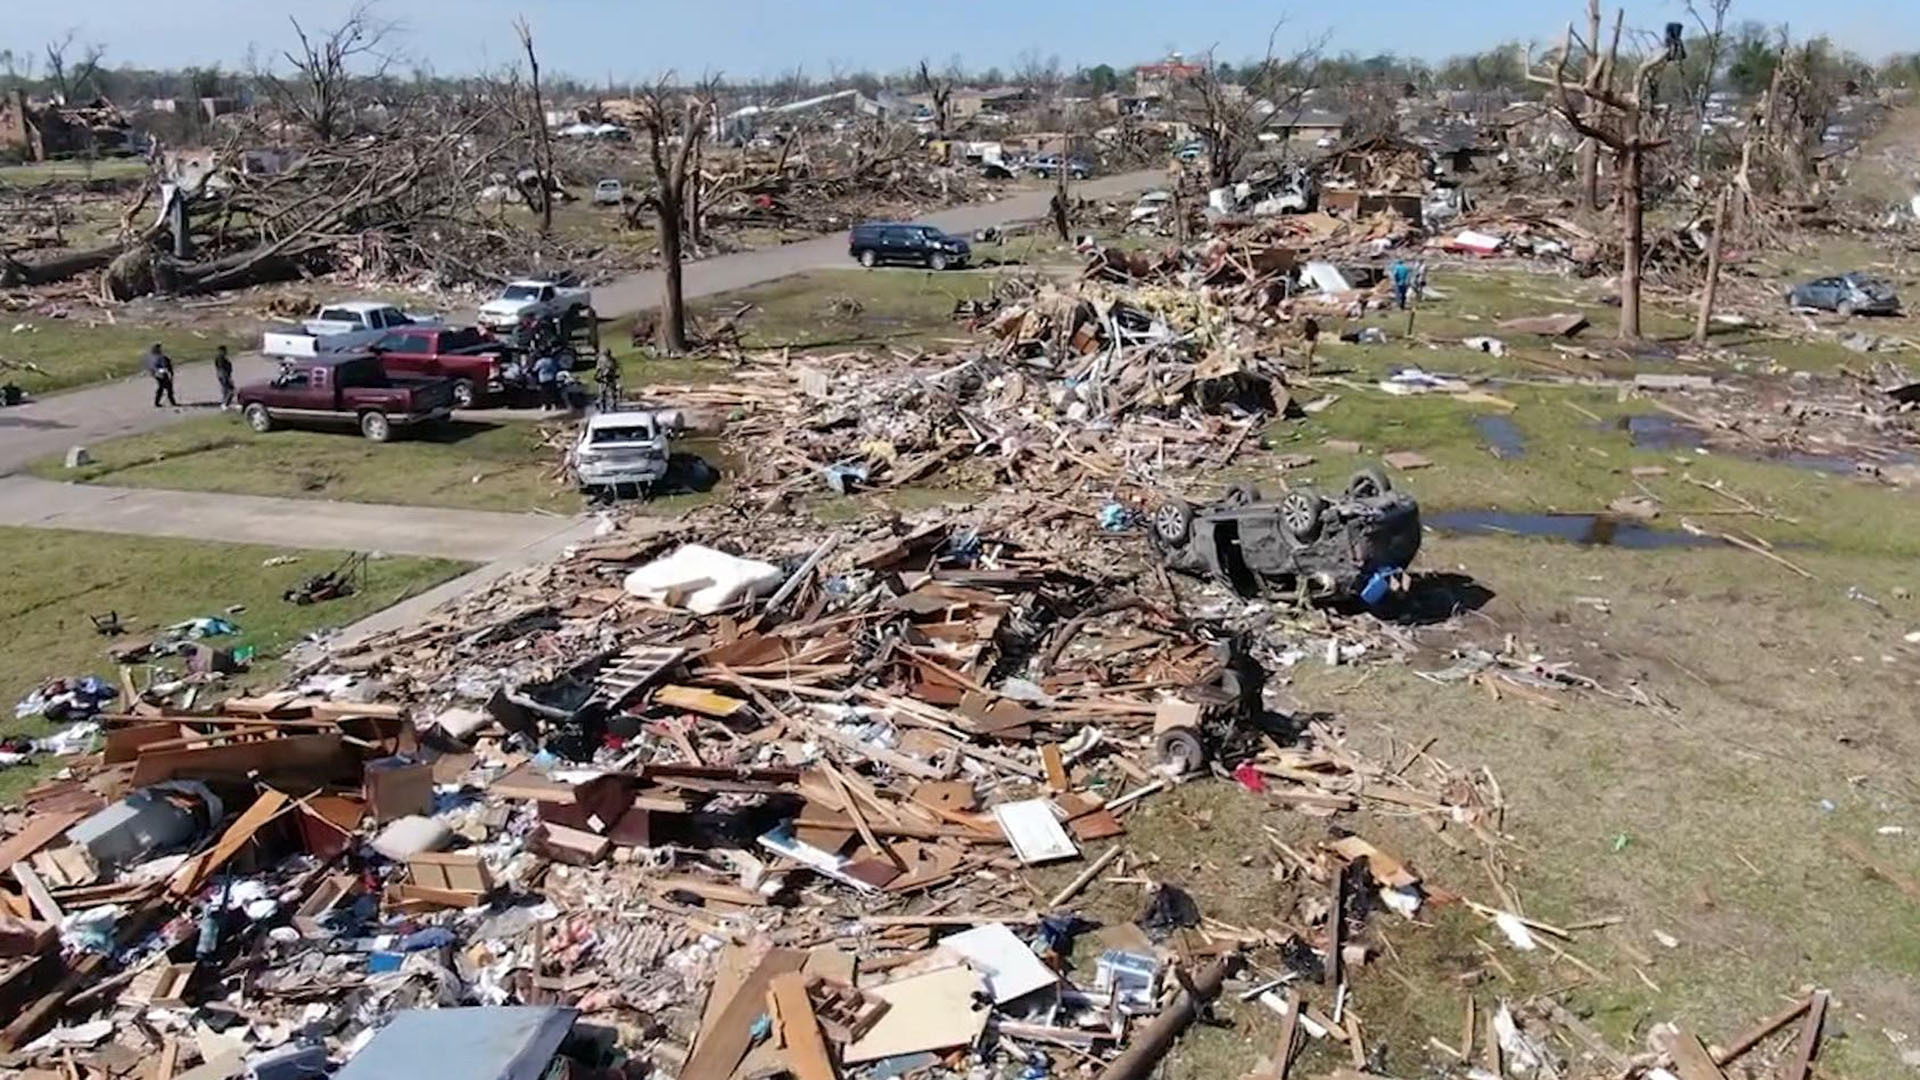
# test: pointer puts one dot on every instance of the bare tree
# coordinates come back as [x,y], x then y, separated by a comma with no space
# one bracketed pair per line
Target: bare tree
[73,76]
[320,91]
[543,145]
[1615,117]
[1230,118]
[1713,35]
[941,90]
[670,119]
[1588,160]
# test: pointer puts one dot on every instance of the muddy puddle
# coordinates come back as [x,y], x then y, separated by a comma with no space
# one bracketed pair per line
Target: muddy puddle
[1657,431]
[1501,435]
[1589,529]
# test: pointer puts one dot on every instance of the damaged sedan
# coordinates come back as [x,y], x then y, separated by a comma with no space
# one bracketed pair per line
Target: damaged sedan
[1340,547]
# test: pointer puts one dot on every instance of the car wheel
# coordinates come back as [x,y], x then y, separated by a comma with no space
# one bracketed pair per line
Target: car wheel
[375,426]
[937,261]
[1845,309]
[868,259]
[1300,513]
[1173,523]
[463,394]
[258,418]
[1368,484]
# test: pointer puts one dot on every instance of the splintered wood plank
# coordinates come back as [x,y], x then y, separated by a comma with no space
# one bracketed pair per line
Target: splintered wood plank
[806,1051]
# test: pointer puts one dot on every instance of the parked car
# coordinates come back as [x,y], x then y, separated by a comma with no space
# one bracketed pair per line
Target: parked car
[885,242]
[609,192]
[345,389]
[1047,166]
[626,448]
[1342,547]
[465,355]
[537,297]
[1847,294]
[1192,151]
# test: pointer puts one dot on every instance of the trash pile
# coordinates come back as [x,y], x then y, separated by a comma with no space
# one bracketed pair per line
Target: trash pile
[844,800]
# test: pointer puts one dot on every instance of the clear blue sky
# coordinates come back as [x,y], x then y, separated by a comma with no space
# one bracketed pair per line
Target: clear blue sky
[638,39]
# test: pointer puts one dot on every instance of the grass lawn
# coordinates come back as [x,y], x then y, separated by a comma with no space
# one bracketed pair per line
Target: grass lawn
[55,579]
[468,465]
[41,172]
[75,352]
[824,310]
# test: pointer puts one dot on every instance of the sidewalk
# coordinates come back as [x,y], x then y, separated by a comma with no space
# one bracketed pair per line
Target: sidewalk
[470,535]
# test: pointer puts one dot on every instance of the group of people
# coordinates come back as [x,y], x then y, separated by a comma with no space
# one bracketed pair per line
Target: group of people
[159,367]
[546,372]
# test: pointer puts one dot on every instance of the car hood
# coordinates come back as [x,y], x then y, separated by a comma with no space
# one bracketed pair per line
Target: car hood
[505,307]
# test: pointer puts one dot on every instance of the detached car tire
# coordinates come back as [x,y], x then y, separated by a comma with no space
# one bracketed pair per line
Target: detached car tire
[1300,513]
[376,427]
[1173,523]
[258,418]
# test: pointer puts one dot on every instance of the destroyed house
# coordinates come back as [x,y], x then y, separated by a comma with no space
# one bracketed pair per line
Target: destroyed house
[39,132]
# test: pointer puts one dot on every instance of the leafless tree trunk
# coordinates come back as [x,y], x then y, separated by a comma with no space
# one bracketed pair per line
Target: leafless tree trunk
[941,90]
[1589,160]
[1614,117]
[1230,119]
[542,143]
[319,94]
[663,121]
[72,78]
[1712,287]
[1714,34]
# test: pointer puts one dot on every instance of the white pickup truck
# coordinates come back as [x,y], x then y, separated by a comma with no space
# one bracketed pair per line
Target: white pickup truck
[536,297]
[342,327]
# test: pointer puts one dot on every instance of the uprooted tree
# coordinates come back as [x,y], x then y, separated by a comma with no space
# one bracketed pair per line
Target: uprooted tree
[674,125]
[1615,117]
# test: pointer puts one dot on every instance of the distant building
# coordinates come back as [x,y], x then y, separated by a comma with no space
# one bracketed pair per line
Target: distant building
[1159,81]
[37,132]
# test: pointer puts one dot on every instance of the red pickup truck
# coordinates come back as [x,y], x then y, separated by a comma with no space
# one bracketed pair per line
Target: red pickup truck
[345,389]
[465,355]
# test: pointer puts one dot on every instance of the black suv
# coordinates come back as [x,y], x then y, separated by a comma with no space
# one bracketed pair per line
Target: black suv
[882,242]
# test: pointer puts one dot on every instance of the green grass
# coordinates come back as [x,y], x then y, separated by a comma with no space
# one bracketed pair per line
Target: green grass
[76,352]
[41,172]
[838,309]
[55,579]
[467,466]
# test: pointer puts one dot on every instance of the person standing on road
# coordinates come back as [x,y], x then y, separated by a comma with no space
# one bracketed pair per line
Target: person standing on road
[160,368]
[546,374]
[223,373]
[607,373]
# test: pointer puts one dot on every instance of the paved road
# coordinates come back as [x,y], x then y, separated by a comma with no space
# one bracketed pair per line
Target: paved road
[126,407]
[729,272]
[473,535]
